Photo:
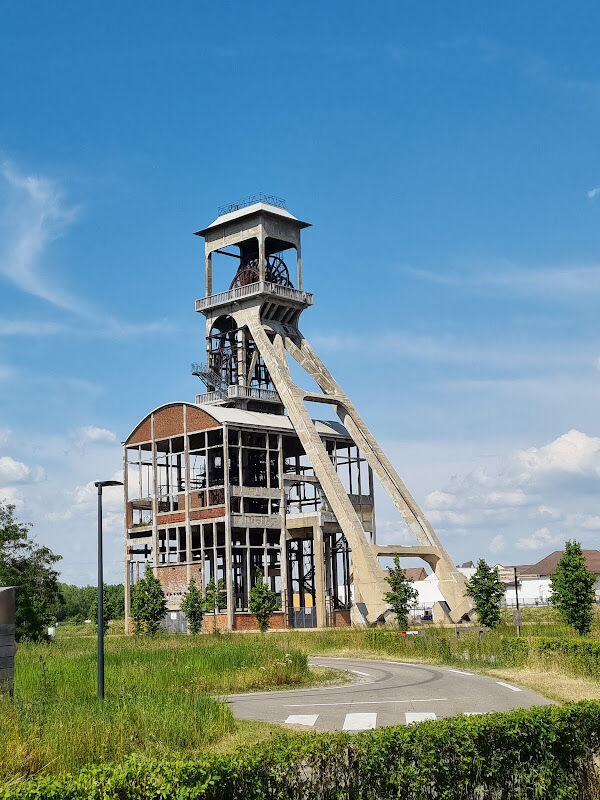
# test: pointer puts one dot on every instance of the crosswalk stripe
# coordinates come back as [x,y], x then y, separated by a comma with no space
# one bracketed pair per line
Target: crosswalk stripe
[419,716]
[360,722]
[302,719]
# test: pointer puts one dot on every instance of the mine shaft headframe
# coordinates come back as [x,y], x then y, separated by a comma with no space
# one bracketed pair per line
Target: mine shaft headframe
[256,232]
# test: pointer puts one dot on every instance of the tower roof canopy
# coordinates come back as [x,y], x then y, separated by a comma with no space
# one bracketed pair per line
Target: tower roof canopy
[248,211]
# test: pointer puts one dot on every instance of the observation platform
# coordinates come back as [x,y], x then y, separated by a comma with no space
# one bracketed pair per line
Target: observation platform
[270,291]
[238,393]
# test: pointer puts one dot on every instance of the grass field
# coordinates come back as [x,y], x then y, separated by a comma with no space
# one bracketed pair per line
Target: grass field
[158,698]
[163,693]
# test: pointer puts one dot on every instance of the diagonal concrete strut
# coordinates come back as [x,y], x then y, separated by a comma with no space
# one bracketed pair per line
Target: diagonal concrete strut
[369,577]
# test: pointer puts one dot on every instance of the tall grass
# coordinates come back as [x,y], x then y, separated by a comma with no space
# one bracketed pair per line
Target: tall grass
[157,700]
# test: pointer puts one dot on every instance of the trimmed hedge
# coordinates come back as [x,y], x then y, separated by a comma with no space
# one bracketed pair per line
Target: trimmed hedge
[546,752]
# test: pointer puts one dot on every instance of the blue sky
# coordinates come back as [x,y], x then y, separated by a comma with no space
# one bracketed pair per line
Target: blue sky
[447,156]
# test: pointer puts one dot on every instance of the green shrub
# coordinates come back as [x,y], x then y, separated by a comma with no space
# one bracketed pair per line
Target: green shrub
[546,752]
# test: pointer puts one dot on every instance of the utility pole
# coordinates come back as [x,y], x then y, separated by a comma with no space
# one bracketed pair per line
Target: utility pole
[517,612]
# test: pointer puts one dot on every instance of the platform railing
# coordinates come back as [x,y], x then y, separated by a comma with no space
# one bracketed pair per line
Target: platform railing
[239,393]
[260,287]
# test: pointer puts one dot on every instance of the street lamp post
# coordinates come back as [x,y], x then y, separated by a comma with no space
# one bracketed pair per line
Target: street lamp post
[100,485]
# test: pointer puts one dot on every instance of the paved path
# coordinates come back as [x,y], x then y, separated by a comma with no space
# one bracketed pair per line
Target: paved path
[385,693]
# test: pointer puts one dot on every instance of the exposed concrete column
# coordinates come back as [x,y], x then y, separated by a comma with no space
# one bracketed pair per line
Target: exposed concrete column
[208,273]
[261,256]
[242,356]
[372,495]
[299,263]
[126,584]
[154,502]
[228,566]
[283,533]
[188,527]
[319,557]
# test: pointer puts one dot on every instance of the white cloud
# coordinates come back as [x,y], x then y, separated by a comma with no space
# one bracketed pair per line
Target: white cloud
[514,498]
[597,362]
[441,500]
[573,452]
[5,435]
[560,282]
[593,192]
[497,544]
[33,216]
[447,517]
[17,472]
[90,433]
[590,522]
[24,327]
[11,496]
[548,511]
[540,539]
[112,496]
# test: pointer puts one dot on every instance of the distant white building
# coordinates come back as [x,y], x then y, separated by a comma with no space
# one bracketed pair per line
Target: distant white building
[533,581]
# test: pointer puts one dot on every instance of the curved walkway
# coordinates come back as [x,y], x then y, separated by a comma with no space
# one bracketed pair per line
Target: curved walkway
[385,693]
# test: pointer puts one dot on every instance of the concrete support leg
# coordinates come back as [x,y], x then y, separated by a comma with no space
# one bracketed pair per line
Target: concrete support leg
[319,557]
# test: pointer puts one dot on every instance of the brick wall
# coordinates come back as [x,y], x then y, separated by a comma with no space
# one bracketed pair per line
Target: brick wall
[342,619]
[173,579]
[247,622]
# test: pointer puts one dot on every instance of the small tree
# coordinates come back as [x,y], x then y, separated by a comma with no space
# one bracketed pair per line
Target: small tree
[148,605]
[193,607]
[262,602]
[214,598]
[30,566]
[402,594]
[572,591]
[487,591]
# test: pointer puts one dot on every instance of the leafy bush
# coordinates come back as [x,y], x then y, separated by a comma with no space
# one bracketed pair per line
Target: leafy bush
[148,604]
[487,592]
[193,607]
[402,595]
[545,752]
[262,602]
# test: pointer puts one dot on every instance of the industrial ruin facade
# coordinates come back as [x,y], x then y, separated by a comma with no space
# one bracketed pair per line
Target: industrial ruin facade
[244,480]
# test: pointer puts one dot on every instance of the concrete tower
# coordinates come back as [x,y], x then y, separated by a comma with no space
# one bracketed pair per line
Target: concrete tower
[243,480]
[251,328]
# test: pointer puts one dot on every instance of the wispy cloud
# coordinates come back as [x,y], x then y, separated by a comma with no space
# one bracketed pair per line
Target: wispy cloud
[557,281]
[593,192]
[30,327]
[33,214]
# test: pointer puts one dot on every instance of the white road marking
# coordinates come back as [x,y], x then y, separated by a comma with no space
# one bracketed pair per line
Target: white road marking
[419,716]
[460,672]
[360,722]
[358,672]
[508,686]
[472,713]
[302,719]
[364,702]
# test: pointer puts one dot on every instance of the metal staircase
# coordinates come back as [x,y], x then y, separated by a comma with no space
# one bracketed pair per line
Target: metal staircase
[211,380]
